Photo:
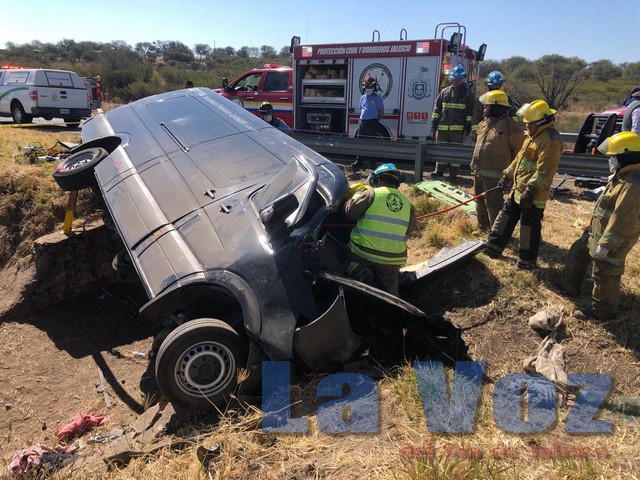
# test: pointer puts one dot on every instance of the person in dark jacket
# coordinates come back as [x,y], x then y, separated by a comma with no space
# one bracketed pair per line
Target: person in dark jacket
[452,116]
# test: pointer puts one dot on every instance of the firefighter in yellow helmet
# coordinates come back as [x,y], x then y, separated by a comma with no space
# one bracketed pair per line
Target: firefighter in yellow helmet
[499,140]
[614,229]
[378,242]
[532,173]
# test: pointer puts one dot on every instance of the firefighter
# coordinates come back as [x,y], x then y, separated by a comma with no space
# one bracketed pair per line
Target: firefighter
[532,173]
[266,113]
[494,81]
[614,230]
[499,140]
[371,112]
[452,115]
[378,242]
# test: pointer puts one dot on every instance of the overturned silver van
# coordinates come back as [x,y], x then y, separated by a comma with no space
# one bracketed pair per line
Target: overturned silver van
[234,230]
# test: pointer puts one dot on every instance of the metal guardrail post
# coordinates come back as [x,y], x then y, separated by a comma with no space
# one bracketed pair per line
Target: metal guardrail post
[421,148]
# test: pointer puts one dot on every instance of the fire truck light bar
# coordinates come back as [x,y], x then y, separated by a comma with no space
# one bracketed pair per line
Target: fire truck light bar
[422,47]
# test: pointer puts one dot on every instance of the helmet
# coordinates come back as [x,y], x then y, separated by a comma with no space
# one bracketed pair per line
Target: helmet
[535,111]
[620,143]
[495,97]
[387,170]
[458,73]
[266,107]
[370,82]
[494,78]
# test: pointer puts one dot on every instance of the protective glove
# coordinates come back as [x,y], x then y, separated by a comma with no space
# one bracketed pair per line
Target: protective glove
[466,130]
[526,199]
[474,137]
[503,181]
[601,252]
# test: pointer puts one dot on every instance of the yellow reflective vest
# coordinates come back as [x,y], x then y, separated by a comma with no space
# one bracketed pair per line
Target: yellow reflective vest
[380,235]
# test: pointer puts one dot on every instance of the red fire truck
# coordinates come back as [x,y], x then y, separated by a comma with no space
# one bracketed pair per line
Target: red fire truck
[327,81]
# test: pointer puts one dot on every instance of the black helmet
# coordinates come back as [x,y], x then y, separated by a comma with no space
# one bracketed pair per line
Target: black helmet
[266,107]
[370,82]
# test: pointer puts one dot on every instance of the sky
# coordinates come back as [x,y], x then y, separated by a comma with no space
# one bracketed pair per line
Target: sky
[588,29]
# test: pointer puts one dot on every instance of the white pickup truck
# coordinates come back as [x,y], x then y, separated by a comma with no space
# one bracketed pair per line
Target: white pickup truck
[27,93]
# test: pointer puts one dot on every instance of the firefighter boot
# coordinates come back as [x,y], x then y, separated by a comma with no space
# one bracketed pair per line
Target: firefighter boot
[438,172]
[605,295]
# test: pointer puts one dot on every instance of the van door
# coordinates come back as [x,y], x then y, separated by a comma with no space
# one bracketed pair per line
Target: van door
[244,91]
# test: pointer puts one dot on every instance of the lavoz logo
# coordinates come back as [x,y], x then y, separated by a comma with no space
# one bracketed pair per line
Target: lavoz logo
[357,412]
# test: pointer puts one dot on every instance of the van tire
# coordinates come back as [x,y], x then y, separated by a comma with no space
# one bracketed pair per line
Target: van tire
[76,171]
[19,115]
[197,364]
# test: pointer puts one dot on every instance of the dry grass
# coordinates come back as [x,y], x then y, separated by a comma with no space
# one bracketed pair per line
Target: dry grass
[487,298]
[31,204]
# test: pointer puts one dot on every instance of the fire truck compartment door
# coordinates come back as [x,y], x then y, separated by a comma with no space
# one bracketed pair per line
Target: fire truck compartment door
[387,72]
[420,91]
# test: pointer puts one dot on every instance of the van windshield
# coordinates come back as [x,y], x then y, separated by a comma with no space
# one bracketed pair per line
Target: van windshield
[299,178]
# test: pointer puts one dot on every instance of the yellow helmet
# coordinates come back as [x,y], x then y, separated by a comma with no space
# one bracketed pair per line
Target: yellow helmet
[495,97]
[536,111]
[619,143]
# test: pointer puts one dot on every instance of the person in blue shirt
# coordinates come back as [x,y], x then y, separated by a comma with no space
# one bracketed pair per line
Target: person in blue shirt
[371,111]
[266,113]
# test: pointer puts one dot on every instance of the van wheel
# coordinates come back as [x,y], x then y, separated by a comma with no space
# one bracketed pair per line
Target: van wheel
[197,364]
[19,115]
[238,101]
[76,171]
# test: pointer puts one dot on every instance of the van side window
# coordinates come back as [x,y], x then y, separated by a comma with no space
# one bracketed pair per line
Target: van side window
[276,82]
[17,78]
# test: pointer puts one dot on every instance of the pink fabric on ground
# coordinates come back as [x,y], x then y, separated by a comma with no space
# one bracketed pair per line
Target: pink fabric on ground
[80,423]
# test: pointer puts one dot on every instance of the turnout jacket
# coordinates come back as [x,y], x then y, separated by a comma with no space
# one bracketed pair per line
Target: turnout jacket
[453,109]
[615,222]
[499,140]
[535,164]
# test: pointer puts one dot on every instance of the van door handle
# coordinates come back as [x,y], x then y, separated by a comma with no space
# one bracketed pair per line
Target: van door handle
[63,92]
[250,98]
[284,98]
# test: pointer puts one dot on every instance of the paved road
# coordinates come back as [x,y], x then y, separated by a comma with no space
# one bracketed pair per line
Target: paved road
[53,125]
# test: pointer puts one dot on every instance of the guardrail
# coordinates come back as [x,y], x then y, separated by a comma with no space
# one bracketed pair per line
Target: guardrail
[423,152]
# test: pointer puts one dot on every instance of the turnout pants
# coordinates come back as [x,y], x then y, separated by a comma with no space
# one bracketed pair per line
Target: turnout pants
[487,207]
[530,230]
[606,278]
[449,136]
[377,275]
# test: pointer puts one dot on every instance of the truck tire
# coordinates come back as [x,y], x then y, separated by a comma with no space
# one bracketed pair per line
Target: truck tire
[197,364]
[76,171]
[19,115]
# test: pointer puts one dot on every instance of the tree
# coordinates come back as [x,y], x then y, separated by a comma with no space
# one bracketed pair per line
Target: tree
[243,52]
[284,51]
[143,48]
[604,70]
[267,51]
[558,77]
[202,50]
[178,51]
